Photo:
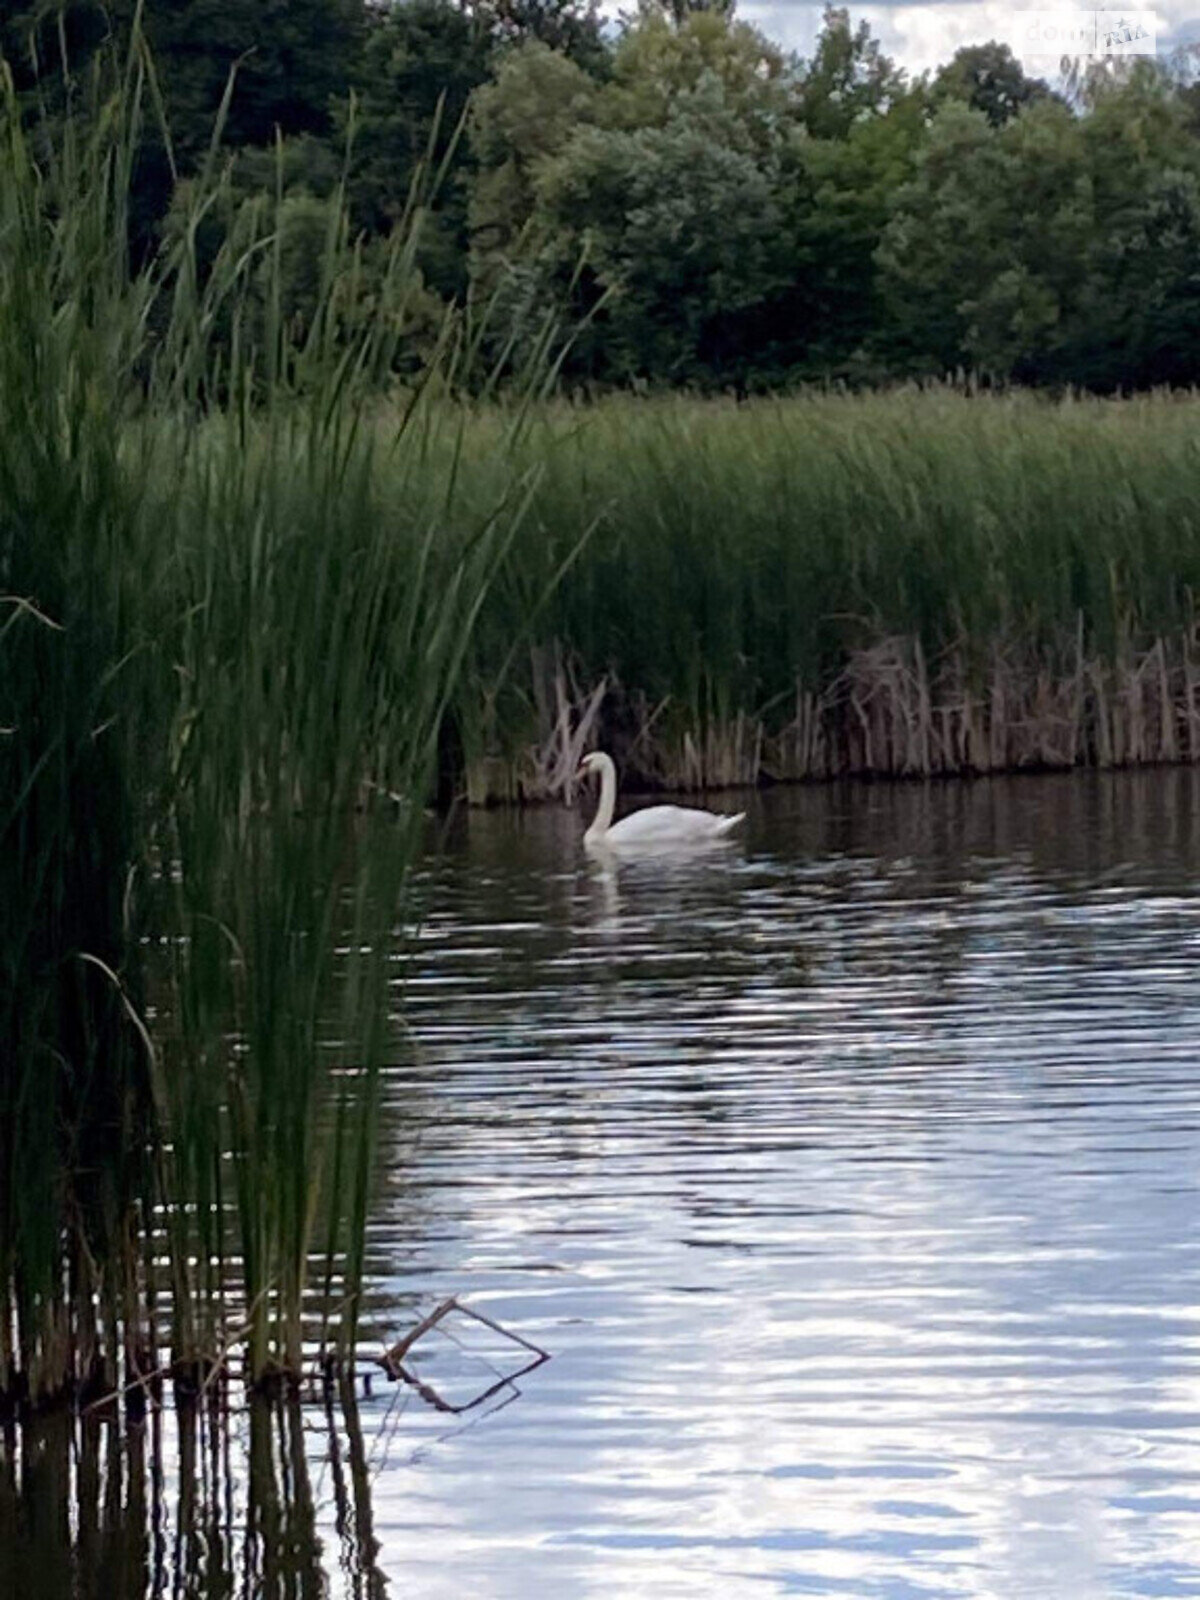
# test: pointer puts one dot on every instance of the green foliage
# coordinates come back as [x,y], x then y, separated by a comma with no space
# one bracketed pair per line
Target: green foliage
[990,79]
[1054,248]
[840,194]
[290,63]
[849,78]
[606,195]
[964,248]
[571,27]
[697,205]
[1139,313]
[701,207]
[656,63]
[724,216]
[73,685]
[34,37]
[641,205]
[421,63]
[679,11]
[519,121]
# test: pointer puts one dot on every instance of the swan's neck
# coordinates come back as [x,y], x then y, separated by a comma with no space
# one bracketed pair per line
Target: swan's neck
[608,800]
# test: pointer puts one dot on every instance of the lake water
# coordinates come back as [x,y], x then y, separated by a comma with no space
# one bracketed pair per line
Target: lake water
[850,1177]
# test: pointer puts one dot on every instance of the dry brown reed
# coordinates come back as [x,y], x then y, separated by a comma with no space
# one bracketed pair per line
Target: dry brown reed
[889,713]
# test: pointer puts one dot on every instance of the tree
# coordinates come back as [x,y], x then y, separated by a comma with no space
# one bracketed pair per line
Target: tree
[572,27]
[1142,309]
[523,118]
[848,78]
[655,192]
[33,37]
[838,197]
[988,78]
[1138,313]
[678,11]
[983,254]
[679,227]
[1055,248]
[289,249]
[656,62]
[290,59]
[422,60]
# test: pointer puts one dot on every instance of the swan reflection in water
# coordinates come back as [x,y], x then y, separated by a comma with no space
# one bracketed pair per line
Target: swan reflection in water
[624,890]
[604,897]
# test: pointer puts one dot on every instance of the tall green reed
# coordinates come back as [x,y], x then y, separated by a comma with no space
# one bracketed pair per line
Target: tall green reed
[235,608]
[73,1090]
[747,559]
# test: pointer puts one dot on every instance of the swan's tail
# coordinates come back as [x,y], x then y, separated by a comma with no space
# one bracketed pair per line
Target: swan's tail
[728,824]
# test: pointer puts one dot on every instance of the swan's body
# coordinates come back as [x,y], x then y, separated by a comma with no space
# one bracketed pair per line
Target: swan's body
[655,828]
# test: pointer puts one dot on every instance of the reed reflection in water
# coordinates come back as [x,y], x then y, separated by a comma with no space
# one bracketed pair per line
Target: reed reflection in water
[199,1502]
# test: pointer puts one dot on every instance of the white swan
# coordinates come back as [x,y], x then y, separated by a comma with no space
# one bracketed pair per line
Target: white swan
[655,828]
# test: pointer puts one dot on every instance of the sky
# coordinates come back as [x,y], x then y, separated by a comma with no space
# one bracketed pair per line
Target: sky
[918,37]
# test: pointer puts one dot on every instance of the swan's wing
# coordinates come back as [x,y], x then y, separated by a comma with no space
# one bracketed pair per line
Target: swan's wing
[653,823]
[670,825]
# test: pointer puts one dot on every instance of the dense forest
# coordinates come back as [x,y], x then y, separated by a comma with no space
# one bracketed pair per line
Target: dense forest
[702,208]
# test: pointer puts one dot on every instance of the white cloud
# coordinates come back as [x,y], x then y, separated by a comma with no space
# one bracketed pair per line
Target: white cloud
[921,37]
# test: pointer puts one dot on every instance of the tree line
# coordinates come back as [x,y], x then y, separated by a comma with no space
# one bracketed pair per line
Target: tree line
[702,207]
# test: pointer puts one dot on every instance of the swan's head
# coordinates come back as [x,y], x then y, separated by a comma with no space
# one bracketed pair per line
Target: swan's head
[589,764]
